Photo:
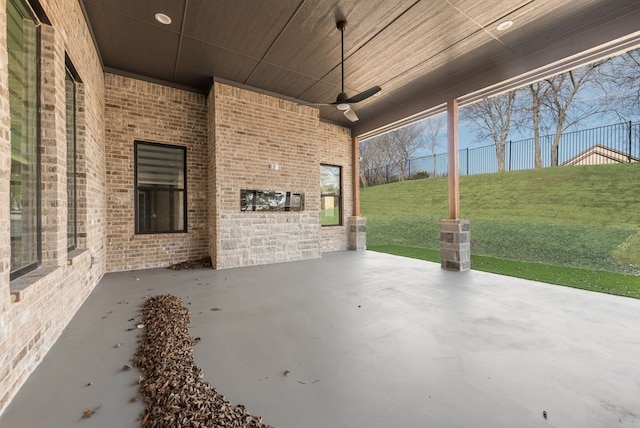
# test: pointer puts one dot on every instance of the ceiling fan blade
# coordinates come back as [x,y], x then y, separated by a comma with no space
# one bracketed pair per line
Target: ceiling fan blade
[363,95]
[351,115]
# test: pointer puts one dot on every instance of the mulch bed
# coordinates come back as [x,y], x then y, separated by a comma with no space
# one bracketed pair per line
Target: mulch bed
[202,263]
[174,392]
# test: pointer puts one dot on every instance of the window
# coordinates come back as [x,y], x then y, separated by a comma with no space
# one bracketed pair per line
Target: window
[72,193]
[330,195]
[160,188]
[24,198]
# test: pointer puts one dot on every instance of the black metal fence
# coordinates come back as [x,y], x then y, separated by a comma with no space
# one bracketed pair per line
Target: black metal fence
[618,143]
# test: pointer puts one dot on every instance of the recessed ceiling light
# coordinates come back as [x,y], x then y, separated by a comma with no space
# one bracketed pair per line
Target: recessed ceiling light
[504,25]
[163,19]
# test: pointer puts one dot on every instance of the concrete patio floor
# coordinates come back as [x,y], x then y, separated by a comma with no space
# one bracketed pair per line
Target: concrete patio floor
[371,340]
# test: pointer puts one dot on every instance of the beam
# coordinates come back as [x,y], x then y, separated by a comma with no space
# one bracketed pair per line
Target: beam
[356,176]
[452,156]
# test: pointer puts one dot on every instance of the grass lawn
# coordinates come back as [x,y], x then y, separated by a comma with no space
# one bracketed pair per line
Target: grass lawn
[586,218]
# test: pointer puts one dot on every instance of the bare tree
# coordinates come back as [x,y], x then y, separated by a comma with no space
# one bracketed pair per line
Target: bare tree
[560,97]
[432,129]
[400,145]
[622,85]
[374,162]
[632,62]
[538,92]
[493,119]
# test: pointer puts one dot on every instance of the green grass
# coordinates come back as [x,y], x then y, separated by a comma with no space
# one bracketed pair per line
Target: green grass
[581,217]
[593,280]
[599,195]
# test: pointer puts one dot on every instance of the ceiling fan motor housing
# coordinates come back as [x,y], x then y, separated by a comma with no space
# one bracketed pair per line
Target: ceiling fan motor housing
[342,97]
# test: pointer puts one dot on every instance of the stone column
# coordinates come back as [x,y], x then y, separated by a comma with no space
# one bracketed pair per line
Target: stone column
[455,244]
[357,233]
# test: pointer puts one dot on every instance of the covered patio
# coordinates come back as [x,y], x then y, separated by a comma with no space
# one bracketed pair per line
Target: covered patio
[370,340]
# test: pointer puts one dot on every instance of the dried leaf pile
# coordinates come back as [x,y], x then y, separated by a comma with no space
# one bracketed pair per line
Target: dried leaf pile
[172,385]
[202,263]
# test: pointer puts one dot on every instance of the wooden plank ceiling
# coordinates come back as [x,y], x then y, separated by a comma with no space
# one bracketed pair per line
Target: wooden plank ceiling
[421,53]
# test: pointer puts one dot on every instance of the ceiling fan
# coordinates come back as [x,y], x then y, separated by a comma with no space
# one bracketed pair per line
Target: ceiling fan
[343,101]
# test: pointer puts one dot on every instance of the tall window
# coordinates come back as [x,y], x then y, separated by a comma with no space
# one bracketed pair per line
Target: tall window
[330,195]
[72,194]
[160,188]
[22,47]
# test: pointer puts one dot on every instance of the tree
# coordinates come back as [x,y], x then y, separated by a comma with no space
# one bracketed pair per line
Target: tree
[562,89]
[493,119]
[432,129]
[398,146]
[622,85]
[374,162]
[538,92]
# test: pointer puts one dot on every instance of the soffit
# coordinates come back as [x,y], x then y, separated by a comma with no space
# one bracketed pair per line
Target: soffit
[421,53]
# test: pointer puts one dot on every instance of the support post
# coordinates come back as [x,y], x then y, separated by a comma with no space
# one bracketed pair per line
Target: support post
[453,157]
[455,240]
[356,224]
[355,153]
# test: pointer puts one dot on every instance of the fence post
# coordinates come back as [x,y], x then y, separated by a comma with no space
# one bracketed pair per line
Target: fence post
[630,137]
[467,160]
[409,177]
[510,150]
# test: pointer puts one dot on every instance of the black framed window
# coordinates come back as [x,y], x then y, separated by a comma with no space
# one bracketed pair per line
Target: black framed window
[22,64]
[161,187]
[72,193]
[330,195]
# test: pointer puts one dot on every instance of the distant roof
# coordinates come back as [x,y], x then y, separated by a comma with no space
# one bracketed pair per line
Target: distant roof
[599,154]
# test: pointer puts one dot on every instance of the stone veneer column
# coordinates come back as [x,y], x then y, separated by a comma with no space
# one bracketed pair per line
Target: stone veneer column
[357,233]
[455,244]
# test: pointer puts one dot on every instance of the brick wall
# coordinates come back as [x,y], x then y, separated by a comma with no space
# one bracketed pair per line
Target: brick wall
[5,175]
[335,149]
[252,131]
[35,308]
[231,139]
[143,111]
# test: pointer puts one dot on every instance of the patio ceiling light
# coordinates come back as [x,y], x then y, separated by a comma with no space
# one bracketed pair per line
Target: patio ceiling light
[504,25]
[163,19]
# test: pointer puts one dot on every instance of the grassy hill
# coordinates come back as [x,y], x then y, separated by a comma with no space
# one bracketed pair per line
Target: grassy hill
[585,217]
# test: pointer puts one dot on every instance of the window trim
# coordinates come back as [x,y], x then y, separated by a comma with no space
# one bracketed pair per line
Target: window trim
[340,208]
[136,188]
[38,141]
